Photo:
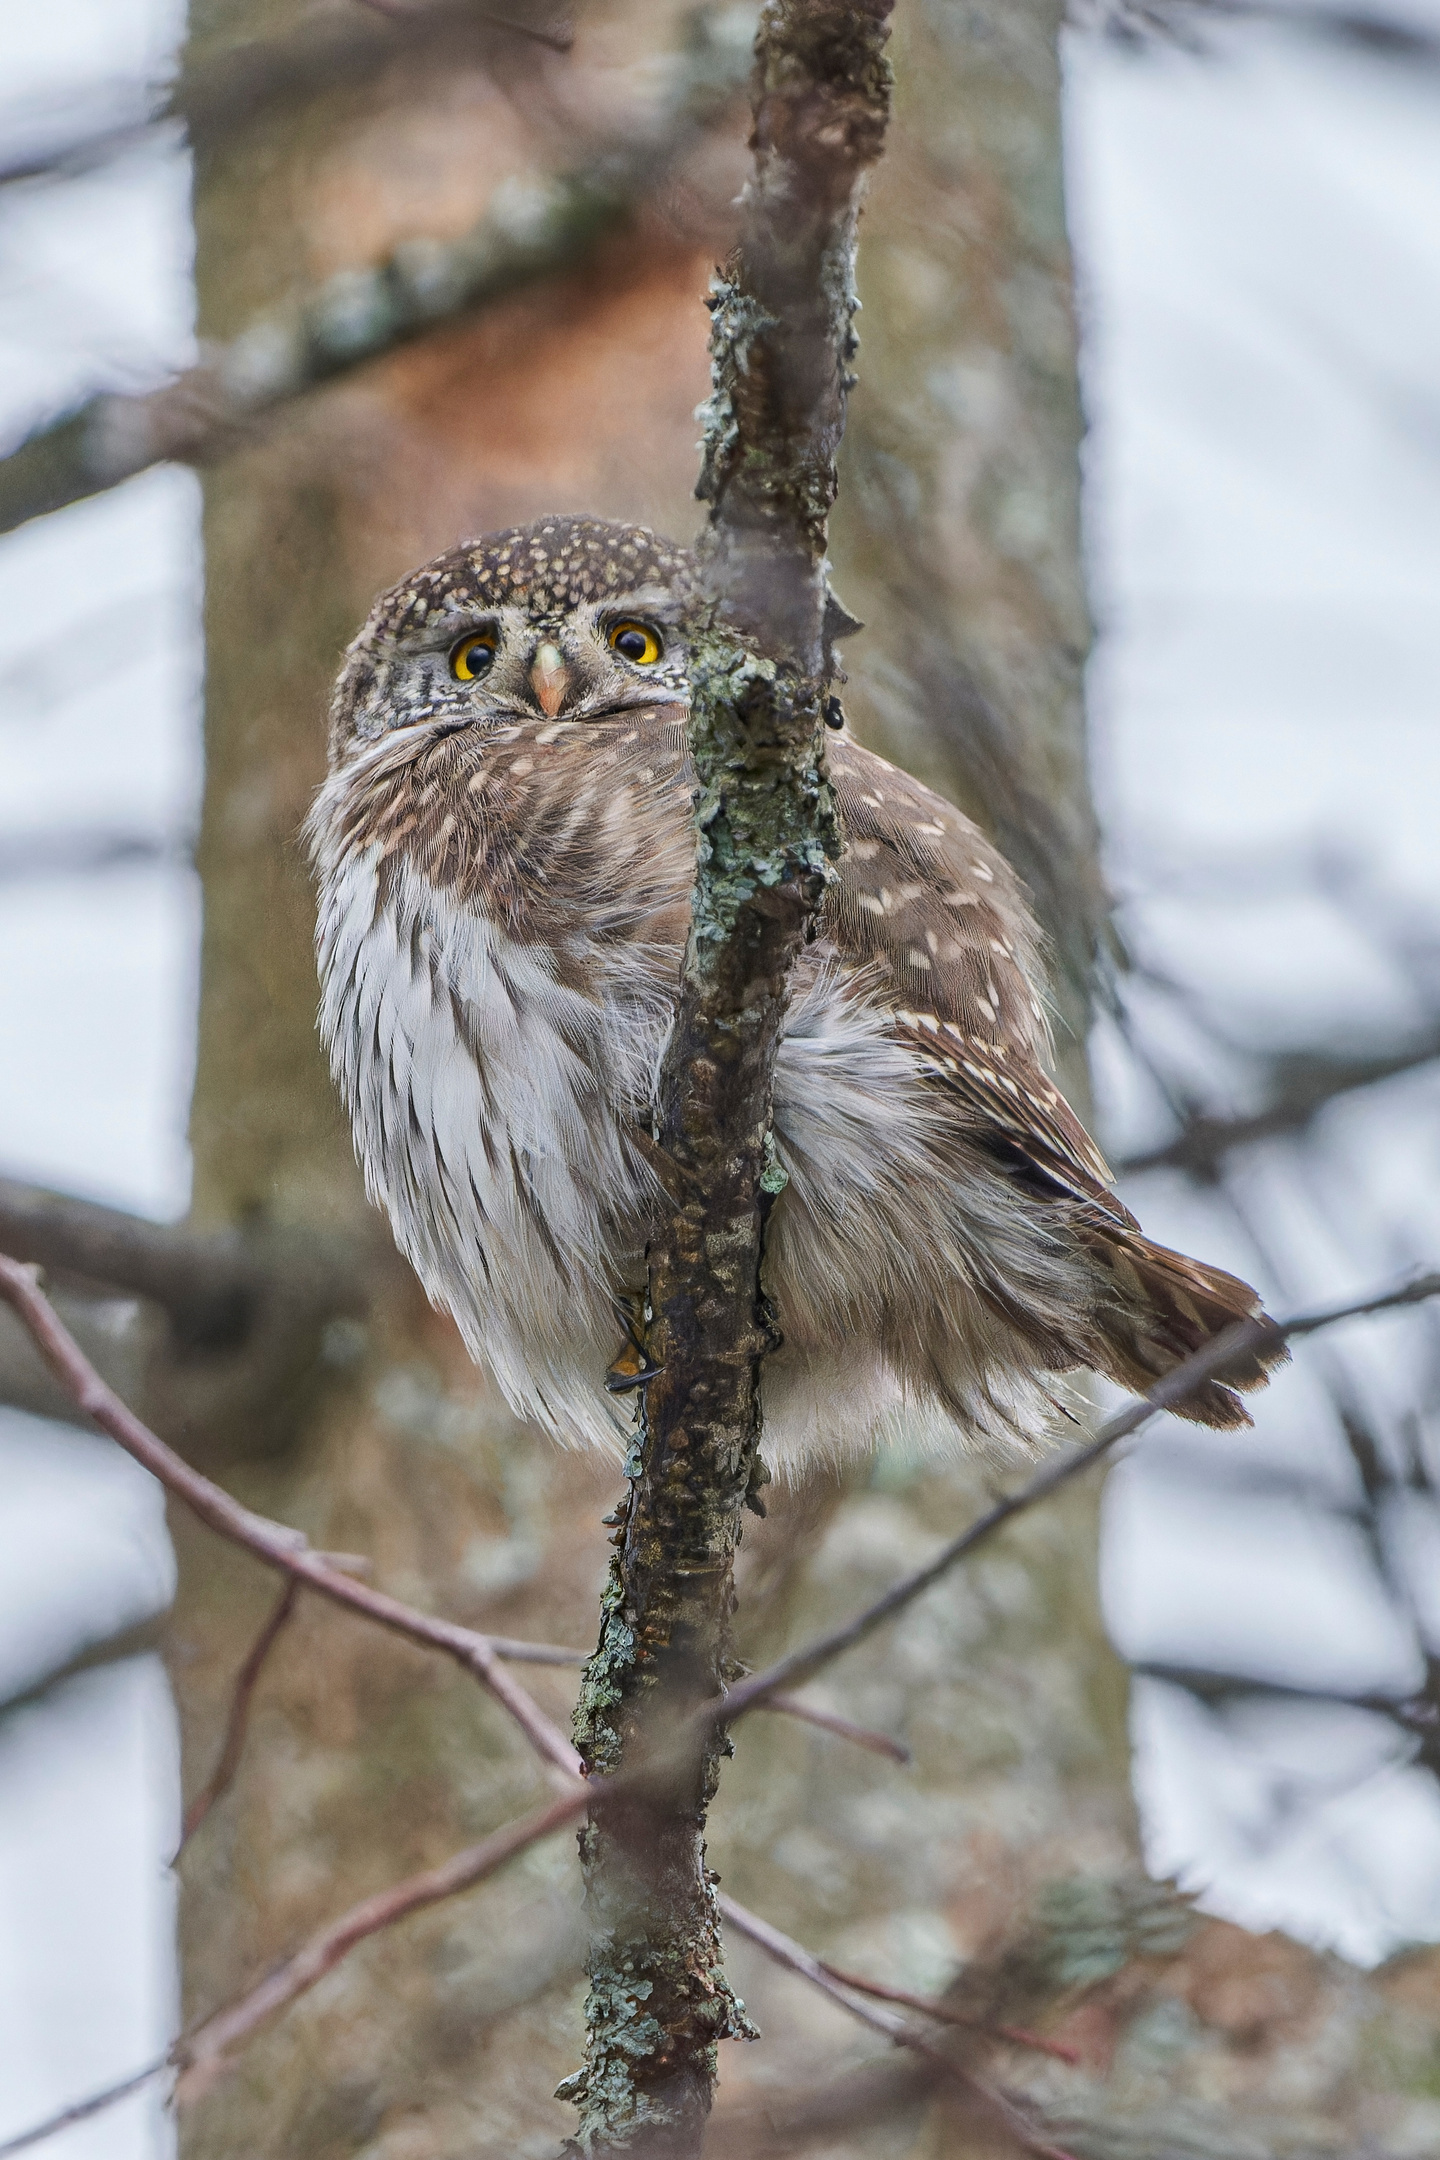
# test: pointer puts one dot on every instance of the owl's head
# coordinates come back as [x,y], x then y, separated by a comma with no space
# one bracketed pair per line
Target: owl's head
[569,619]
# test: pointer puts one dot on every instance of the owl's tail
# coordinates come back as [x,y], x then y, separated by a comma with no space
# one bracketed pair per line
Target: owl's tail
[1160,1308]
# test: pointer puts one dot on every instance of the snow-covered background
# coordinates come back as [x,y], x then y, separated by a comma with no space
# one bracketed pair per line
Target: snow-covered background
[1257,223]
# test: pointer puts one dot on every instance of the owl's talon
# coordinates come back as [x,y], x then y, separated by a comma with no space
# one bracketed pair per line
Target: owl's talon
[632,1369]
[632,1366]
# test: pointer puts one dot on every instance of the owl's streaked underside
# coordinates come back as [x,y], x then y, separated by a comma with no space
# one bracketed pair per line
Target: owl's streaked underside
[505,851]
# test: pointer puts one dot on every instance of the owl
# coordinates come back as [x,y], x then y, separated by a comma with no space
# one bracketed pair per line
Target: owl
[505,852]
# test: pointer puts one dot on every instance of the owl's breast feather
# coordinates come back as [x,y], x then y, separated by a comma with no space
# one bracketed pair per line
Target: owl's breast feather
[494,1030]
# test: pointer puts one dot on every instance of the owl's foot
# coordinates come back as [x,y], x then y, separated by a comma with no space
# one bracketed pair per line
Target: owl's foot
[633,1366]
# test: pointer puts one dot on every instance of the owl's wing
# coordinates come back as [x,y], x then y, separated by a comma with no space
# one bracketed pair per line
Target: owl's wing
[924,902]
[939,923]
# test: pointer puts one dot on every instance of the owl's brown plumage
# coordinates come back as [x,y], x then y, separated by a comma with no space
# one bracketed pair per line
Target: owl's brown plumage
[505,850]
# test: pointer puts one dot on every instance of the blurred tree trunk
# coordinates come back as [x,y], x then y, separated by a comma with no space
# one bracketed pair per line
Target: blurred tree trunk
[366,1759]
[958,542]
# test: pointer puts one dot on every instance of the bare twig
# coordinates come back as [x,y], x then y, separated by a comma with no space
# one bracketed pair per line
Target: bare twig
[803,1962]
[878,1743]
[1301,1085]
[535,1653]
[1415,1716]
[232,1747]
[206,2053]
[1248,1335]
[330,1574]
[1377,31]
[275,1544]
[81,2110]
[1015,2035]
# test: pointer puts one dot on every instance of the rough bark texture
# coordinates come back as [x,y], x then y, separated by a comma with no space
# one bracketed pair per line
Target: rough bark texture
[781,343]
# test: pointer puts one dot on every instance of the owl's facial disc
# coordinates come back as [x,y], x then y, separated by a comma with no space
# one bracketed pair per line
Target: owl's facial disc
[580,664]
[572,619]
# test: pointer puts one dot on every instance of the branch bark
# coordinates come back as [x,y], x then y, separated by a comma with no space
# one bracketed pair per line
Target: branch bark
[781,345]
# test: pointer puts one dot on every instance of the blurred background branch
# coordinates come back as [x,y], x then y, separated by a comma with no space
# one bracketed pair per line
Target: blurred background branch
[534,228]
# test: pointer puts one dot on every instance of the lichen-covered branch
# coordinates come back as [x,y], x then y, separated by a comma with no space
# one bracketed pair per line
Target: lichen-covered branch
[781,348]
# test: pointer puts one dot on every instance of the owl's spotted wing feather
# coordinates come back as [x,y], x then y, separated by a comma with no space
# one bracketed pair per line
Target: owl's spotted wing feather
[925,898]
[927,903]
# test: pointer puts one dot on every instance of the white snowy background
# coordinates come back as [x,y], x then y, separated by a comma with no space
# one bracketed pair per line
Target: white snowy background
[1257,224]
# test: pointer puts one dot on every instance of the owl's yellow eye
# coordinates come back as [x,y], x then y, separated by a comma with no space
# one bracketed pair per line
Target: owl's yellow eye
[473,655]
[636,642]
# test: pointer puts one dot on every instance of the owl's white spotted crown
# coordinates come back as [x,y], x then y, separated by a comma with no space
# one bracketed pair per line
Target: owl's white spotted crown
[548,568]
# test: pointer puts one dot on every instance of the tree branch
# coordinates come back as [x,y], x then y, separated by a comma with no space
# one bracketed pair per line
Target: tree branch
[275,1544]
[1013,2035]
[1416,1716]
[233,1745]
[1302,1084]
[81,2110]
[781,344]
[1370,30]
[877,1743]
[139,1639]
[1213,1359]
[211,1283]
[896,2029]
[531,230]
[204,2054]
[263,77]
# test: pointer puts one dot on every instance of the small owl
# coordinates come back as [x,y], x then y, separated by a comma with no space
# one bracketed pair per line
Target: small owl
[505,851]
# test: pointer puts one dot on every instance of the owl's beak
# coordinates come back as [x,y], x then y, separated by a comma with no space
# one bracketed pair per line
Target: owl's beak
[550,679]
